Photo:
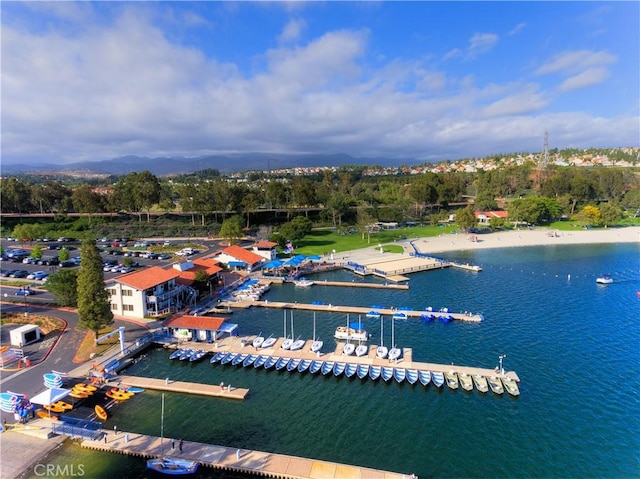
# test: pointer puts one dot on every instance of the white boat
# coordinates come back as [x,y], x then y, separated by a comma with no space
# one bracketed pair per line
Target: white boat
[270,362]
[338,368]
[315,366]
[511,386]
[282,363]
[348,349]
[170,465]
[303,283]
[362,350]
[270,341]
[297,344]
[394,354]
[260,361]
[342,332]
[258,341]
[437,378]
[304,365]
[387,373]
[350,370]
[293,364]
[327,367]
[604,279]
[249,360]
[374,372]
[287,343]
[480,382]
[399,374]
[424,377]
[465,381]
[412,376]
[239,359]
[362,370]
[228,358]
[495,384]
[316,344]
[382,350]
[452,379]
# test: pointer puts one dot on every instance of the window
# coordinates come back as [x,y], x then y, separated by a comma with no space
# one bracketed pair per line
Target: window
[114,306]
[111,292]
[127,307]
[127,292]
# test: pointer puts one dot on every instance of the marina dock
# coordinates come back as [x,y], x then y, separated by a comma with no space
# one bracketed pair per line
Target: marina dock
[183,387]
[334,308]
[258,463]
[358,284]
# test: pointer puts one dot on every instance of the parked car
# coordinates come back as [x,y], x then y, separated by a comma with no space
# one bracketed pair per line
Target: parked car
[30,260]
[49,261]
[24,292]
[38,275]
[67,264]
[7,272]
[19,273]
[164,257]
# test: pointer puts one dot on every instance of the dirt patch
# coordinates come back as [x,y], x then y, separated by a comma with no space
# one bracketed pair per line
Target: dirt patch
[47,324]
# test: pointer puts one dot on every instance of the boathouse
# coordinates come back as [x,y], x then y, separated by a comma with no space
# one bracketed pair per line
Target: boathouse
[199,328]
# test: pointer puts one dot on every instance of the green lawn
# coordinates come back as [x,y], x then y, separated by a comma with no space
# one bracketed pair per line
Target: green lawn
[326,240]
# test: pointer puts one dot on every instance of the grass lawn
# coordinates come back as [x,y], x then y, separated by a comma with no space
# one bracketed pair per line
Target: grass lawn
[89,347]
[326,240]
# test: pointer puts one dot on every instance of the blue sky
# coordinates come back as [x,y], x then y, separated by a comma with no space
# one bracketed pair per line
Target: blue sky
[425,80]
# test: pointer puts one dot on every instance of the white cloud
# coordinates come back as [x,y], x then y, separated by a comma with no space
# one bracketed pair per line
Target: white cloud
[292,31]
[573,62]
[517,29]
[481,43]
[590,77]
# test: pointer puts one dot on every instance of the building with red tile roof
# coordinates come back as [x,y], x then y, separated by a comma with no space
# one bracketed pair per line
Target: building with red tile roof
[266,249]
[484,217]
[199,328]
[240,258]
[189,269]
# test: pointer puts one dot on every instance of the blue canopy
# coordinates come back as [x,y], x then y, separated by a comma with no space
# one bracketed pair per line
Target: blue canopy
[276,263]
[239,264]
[296,260]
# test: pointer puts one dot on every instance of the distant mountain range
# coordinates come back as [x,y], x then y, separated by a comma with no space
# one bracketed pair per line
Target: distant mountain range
[224,163]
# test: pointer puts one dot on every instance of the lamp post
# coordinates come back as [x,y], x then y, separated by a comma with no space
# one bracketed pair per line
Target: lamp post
[501,357]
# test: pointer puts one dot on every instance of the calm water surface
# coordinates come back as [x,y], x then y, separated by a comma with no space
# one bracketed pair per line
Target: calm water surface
[573,343]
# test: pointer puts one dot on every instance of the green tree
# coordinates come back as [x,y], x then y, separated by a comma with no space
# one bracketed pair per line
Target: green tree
[94,308]
[28,231]
[296,229]
[36,252]
[466,218]
[64,254]
[64,286]
[611,214]
[231,229]
[365,223]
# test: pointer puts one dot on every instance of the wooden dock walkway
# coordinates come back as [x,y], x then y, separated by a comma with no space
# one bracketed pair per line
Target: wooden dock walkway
[335,308]
[358,284]
[258,463]
[182,387]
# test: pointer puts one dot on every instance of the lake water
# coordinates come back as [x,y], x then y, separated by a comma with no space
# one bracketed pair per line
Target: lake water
[574,344]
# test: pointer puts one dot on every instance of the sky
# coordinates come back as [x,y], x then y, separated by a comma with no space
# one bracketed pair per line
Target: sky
[431,81]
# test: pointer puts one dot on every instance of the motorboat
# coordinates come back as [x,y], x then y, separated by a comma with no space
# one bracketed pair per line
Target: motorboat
[172,466]
[228,358]
[511,386]
[338,368]
[270,341]
[239,359]
[350,370]
[186,354]
[342,332]
[495,384]
[304,365]
[374,372]
[260,360]
[465,381]
[361,350]
[437,378]
[258,341]
[198,355]
[480,382]
[249,360]
[315,366]
[399,374]
[424,377]
[297,344]
[176,354]
[293,364]
[387,373]
[362,370]
[348,349]
[218,357]
[327,367]
[412,376]
[452,379]
[282,363]
[604,279]
[303,282]
[270,362]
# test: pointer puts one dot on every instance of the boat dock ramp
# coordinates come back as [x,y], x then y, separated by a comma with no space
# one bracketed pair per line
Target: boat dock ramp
[334,308]
[264,464]
[182,387]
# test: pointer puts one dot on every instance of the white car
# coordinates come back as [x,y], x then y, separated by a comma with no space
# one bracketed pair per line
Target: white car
[38,275]
[30,260]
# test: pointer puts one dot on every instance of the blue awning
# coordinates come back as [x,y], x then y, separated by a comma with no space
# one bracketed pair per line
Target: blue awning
[276,263]
[296,260]
[237,264]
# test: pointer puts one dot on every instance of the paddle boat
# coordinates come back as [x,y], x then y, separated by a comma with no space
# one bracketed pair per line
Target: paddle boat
[100,412]
[46,415]
[399,315]
[78,394]
[373,314]
[480,382]
[119,394]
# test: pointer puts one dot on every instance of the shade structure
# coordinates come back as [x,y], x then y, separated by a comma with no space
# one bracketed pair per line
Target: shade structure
[49,396]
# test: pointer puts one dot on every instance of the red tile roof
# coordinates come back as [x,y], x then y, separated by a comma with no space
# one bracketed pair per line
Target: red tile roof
[242,254]
[148,277]
[195,322]
[265,244]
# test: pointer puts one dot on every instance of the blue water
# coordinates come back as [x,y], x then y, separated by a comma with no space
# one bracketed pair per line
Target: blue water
[574,344]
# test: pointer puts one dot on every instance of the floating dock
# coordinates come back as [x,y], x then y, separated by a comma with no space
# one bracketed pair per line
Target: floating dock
[335,308]
[182,387]
[246,461]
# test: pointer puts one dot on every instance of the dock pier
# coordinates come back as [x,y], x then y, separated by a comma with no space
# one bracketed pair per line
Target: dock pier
[182,387]
[246,461]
